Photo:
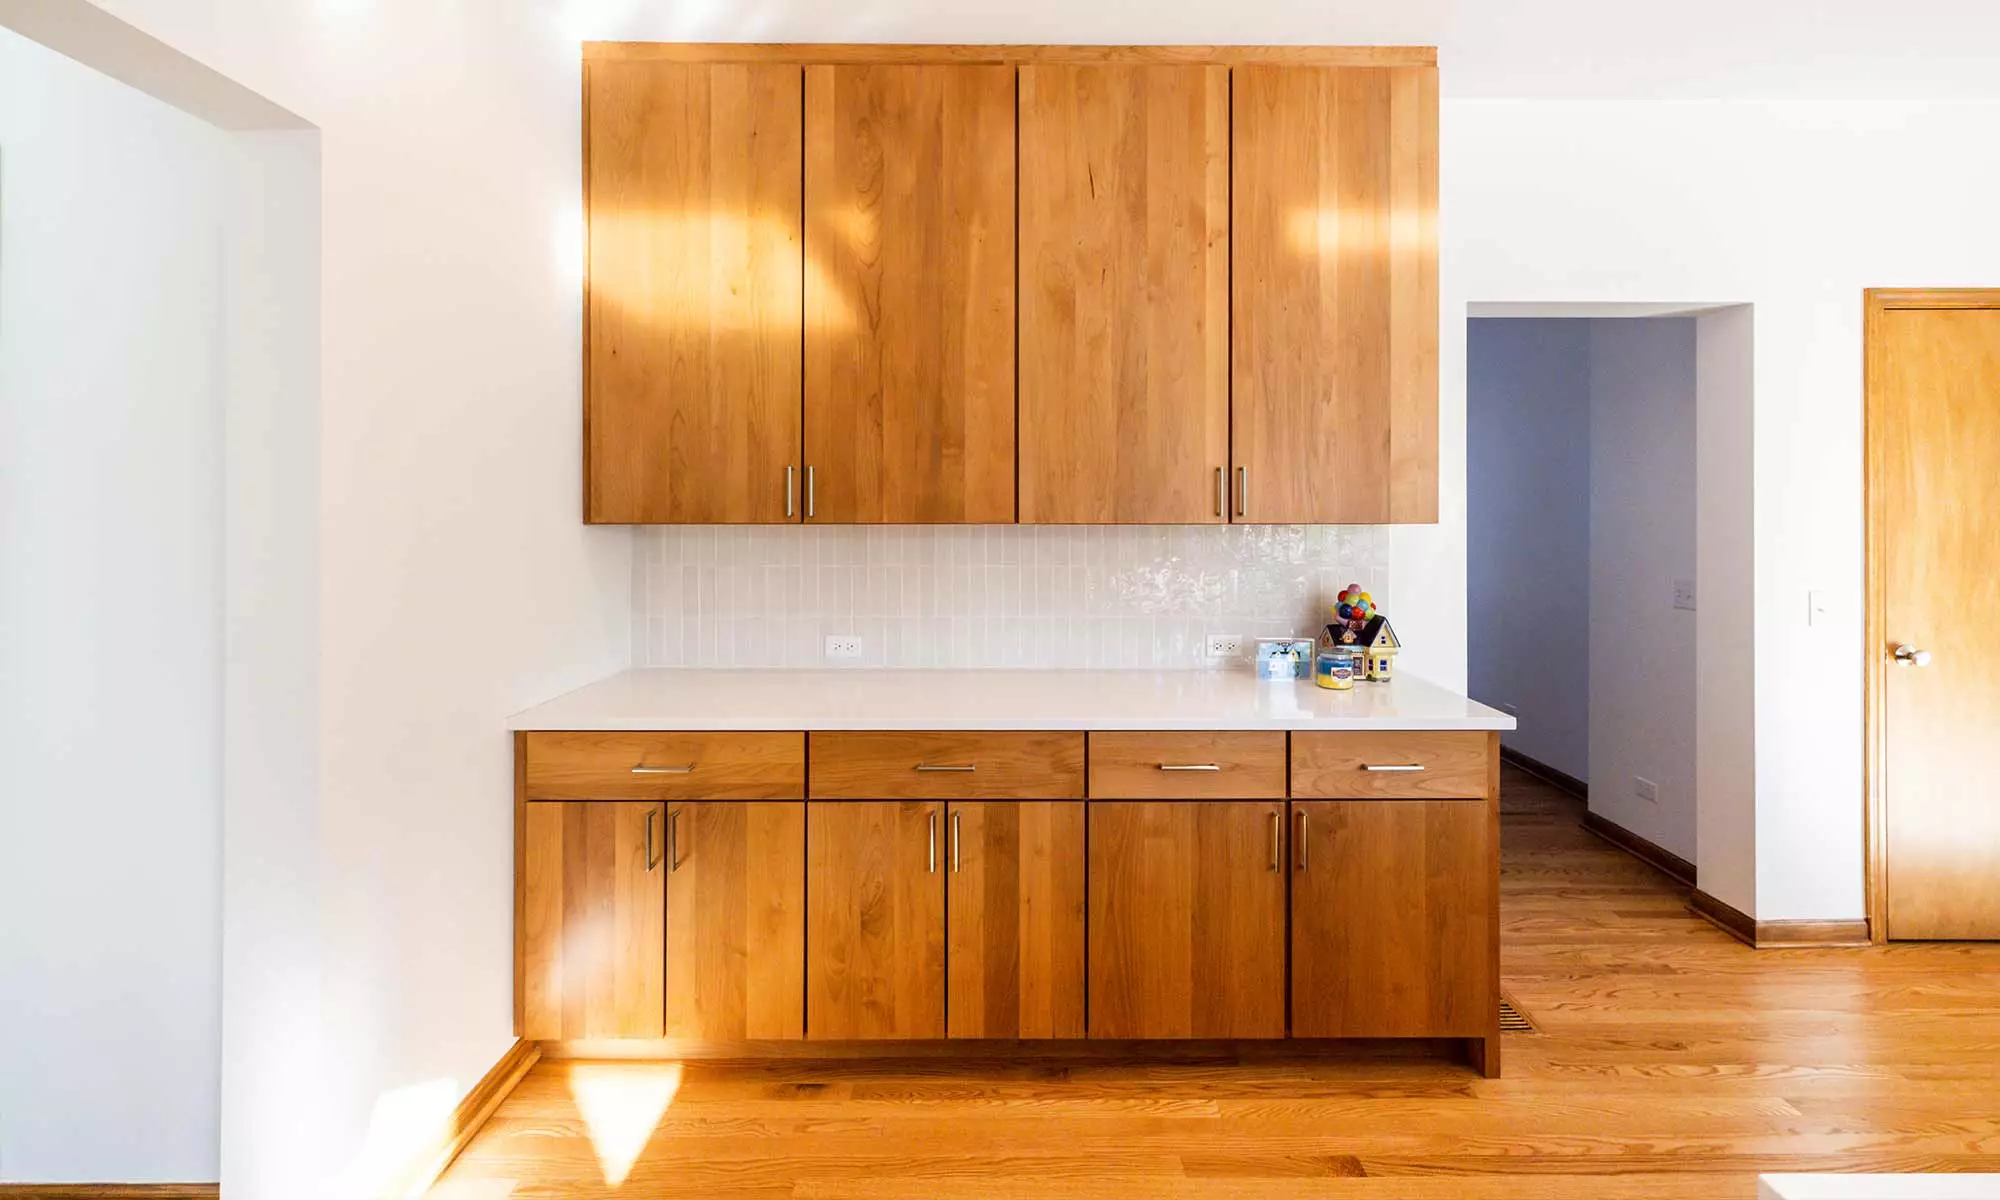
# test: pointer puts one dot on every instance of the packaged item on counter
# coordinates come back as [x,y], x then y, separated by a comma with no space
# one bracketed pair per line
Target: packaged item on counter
[1284,659]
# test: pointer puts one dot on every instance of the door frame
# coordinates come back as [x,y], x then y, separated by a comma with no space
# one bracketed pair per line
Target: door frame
[1877,302]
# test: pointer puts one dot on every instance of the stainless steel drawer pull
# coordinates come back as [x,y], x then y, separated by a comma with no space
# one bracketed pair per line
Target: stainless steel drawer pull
[1190,767]
[1277,837]
[933,824]
[673,839]
[1390,767]
[934,767]
[788,491]
[643,769]
[954,842]
[652,858]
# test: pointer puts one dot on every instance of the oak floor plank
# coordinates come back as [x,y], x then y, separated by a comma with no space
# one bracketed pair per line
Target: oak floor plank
[1669,1062]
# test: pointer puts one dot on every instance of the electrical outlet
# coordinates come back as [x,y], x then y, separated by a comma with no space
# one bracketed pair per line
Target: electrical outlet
[1225,645]
[1684,594]
[843,645]
[1645,789]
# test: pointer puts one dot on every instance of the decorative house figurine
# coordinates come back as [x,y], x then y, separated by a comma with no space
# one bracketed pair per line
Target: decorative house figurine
[1378,647]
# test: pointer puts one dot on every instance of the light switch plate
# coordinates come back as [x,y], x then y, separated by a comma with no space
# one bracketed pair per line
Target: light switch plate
[1818,610]
[1684,594]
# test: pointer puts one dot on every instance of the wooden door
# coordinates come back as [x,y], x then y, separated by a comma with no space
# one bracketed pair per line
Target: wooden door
[1334,294]
[875,920]
[1934,422]
[1187,919]
[1014,909]
[1124,318]
[593,918]
[909,342]
[692,374]
[736,920]
[1391,918]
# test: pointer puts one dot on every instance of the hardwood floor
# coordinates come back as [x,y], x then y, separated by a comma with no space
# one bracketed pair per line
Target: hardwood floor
[1669,1061]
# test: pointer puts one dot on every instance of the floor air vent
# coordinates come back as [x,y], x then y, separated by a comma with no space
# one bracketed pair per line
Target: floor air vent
[1513,1020]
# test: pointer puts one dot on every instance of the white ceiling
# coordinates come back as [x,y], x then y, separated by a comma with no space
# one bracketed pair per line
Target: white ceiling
[1494,49]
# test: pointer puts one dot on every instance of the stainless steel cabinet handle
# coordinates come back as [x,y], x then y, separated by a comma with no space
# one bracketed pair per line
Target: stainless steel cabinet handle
[643,769]
[1276,835]
[652,859]
[673,840]
[1301,838]
[935,767]
[1190,766]
[954,842]
[809,490]
[1221,493]
[1242,491]
[788,490]
[933,824]
[1390,767]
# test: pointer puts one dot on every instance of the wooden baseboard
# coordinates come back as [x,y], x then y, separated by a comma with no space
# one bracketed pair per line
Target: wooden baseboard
[472,1114]
[1562,780]
[109,1191]
[983,1050]
[1777,935]
[1644,849]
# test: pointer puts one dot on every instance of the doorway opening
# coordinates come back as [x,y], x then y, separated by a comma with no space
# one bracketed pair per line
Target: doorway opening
[1608,505]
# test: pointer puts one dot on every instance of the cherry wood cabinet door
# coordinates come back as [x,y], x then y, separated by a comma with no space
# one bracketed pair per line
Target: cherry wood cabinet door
[1124,316]
[1014,908]
[692,363]
[875,932]
[736,920]
[1334,294]
[593,916]
[1392,918]
[1187,919]
[909,341]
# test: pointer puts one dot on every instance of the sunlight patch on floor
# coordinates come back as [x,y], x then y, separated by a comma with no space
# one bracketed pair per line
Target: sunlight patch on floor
[621,1103]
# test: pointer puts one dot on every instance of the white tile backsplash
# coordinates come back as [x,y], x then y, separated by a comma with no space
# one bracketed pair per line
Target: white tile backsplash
[986,595]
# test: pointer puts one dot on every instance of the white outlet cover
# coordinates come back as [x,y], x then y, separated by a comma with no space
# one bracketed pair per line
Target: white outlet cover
[843,645]
[1645,789]
[1225,645]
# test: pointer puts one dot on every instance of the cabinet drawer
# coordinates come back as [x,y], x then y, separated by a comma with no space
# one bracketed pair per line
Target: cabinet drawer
[947,766]
[1391,766]
[666,766]
[1188,766]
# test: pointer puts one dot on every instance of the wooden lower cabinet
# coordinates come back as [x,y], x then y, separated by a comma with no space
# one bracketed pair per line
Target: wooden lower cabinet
[875,936]
[1392,919]
[736,920]
[1015,901]
[592,920]
[1187,919]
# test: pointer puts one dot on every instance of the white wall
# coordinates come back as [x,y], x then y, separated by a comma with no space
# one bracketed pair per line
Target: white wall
[1725,653]
[1642,538]
[1528,449]
[111,445]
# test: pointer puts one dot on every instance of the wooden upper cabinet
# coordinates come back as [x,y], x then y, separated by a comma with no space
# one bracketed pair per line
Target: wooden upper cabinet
[1335,295]
[909,288]
[692,376]
[1124,313]
[593,913]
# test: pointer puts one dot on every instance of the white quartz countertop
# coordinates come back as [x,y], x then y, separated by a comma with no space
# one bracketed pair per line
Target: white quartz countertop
[997,699]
